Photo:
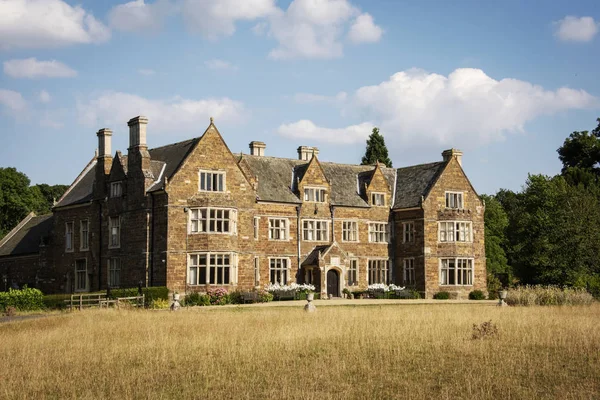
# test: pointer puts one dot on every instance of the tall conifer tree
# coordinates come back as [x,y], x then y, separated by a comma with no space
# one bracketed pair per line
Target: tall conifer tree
[376,150]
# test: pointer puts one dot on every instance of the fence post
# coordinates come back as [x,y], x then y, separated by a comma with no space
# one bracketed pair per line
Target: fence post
[80,302]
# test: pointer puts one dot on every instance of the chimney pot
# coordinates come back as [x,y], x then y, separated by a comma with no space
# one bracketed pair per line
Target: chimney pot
[305,153]
[137,131]
[447,155]
[257,148]
[104,142]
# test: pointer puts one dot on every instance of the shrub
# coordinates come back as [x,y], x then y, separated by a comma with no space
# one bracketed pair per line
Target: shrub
[150,293]
[441,296]
[159,304]
[408,294]
[476,295]
[196,299]
[235,297]
[25,299]
[56,301]
[218,296]
[10,311]
[547,296]
[264,296]
[487,330]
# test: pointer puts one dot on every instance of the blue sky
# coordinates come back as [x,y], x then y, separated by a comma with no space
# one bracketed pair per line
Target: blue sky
[506,82]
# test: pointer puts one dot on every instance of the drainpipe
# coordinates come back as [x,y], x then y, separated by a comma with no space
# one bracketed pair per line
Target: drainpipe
[332,209]
[151,277]
[100,230]
[298,232]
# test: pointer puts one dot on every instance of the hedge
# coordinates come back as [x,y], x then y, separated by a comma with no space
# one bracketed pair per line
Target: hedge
[150,293]
[25,299]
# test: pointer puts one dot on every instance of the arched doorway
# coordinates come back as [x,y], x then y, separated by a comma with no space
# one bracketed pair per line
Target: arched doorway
[333,283]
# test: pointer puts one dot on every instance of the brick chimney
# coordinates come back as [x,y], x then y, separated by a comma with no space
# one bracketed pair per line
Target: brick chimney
[257,148]
[305,153]
[138,157]
[447,155]
[104,161]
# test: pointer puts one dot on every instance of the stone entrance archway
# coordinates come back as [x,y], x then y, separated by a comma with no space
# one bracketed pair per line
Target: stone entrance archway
[333,283]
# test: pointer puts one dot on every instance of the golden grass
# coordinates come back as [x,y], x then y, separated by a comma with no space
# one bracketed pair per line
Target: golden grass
[371,352]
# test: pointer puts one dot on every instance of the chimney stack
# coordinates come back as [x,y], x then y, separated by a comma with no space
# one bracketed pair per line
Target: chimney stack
[104,162]
[447,155]
[257,148]
[305,153]
[104,142]
[137,132]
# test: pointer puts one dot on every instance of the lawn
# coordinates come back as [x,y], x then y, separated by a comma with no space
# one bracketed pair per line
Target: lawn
[369,352]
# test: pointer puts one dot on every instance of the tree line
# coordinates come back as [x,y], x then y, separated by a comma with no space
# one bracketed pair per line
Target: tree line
[18,198]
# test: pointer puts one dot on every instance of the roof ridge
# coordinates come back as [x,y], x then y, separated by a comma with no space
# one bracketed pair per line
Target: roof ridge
[420,165]
[307,162]
[176,143]
[17,228]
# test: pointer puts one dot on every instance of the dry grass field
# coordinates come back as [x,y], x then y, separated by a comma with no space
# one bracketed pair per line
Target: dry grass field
[372,352]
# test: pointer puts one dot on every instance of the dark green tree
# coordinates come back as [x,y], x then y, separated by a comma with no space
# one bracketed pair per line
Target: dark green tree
[16,198]
[581,150]
[46,195]
[496,223]
[376,150]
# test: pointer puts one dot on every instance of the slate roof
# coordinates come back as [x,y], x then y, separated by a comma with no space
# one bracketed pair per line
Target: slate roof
[81,190]
[414,182]
[26,238]
[278,178]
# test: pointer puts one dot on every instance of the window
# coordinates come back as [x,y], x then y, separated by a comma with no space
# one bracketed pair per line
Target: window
[314,230]
[456,271]
[81,275]
[408,229]
[256,221]
[213,220]
[69,236]
[352,273]
[114,272]
[114,228]
[349,231]
[378,199]
[378,232]
[409,271]
[455,231]
[256,272]
[212,181]
[116,189]
[211,269]
[378,271]
[454,200]
[278,229]
[314,194]
[84,235]
[278,268]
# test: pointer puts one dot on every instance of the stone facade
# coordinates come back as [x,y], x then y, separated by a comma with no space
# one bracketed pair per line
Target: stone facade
[193,215]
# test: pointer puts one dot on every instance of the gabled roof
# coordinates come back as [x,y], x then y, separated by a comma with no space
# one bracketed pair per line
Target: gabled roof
[26,237]
[277,179]
[81,190]
[414,182]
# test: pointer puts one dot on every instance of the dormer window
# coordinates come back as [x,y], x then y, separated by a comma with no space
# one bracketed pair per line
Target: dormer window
[454,200]
[212,181]
[116,189]
[378,199]
[316,195]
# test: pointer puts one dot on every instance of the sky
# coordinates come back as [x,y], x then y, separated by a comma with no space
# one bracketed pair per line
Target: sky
[505,82]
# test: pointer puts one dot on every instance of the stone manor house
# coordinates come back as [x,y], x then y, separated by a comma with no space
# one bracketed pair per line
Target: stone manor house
[193,215]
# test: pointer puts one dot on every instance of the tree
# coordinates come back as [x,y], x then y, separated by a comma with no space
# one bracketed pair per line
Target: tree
[16,198]
[46,196]
[376,150]
[496,222]
[581,150]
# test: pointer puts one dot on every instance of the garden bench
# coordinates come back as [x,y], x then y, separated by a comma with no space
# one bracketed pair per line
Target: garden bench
[249,297]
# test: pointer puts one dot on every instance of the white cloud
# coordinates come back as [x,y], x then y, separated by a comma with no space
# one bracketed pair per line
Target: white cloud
[364,30]
[305,129]
[466,108]
[138,16]
[214,19]
[12,100]
[146,72]
[574,29]
[44,97]
[220,65]
[166,115]
[47,23]
[32,68]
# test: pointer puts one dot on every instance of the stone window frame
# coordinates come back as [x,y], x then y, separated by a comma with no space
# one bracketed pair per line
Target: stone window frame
[116,189]
[77,276]
[315,230]
[256,227]
[408,271]
[212,269]
[111,245]
[374,195]
[379,271]
[380,235]
[345,230]
[208,176]
[314,190]
[231,220]
[285,229]
[460,197]
[114,272]
[84,239]
[444,279]
[285,271]
[256,271]
[69,236]
[455,232]
[352,272]
[408,232]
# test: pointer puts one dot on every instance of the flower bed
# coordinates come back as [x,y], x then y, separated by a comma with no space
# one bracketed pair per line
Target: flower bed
[289,292]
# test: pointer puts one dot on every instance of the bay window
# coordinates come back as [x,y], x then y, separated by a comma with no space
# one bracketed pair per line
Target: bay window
[213,220]
[211,268]
[456,271]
